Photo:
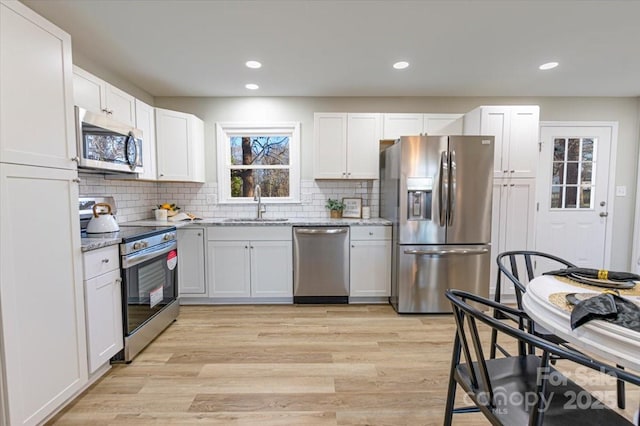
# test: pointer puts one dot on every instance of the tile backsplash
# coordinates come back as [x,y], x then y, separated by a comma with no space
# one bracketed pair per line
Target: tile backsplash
[135,200]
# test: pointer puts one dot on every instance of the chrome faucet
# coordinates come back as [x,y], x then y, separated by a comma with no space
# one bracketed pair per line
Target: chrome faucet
[258,197]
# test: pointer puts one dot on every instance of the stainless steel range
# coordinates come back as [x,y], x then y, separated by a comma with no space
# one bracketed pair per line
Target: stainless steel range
[149,270]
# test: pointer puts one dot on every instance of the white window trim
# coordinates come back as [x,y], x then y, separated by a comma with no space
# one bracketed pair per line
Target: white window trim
[223,133]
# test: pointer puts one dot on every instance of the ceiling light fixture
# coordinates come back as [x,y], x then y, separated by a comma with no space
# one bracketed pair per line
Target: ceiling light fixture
[253,64]
[401,65]
[252,86]
[548,66]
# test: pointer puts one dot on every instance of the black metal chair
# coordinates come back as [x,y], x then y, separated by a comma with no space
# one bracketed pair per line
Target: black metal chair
[518,268]
[525,388]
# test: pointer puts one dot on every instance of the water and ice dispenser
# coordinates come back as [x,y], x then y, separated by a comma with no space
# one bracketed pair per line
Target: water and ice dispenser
[419,197]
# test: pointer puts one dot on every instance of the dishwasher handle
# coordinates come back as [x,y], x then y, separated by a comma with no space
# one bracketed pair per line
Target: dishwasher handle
[322,231]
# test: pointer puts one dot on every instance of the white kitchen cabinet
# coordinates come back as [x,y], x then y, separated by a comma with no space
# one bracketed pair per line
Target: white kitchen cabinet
[146,121]
[42,324]
[512,226]
[179,146]
[36,104]
[41,296]
[346,146]
[95,94]
[516,137]
[370,262]
[103,305]
[396,125]
[250,269]
[191,262]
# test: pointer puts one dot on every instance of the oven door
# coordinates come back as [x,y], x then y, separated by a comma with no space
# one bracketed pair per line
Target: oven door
[149,284]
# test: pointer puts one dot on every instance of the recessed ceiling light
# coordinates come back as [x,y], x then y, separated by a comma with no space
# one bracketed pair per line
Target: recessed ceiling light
[548,66]
[252,86]
[401,65]
[253,64]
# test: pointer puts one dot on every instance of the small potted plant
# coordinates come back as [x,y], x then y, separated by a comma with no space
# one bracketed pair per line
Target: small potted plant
[335,207]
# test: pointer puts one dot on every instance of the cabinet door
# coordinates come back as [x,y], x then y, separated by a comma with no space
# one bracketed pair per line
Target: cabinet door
[121,106]
[271,269]
[173,130]
[443,124]
[515,222]
[88,91]
[330,146]
[370,269]
[191,258]
[396,125]
[496,121]
[146,121]
[104,318]
[36,91]
[196,149]
[229,269]
[363,141]
[523,142]
[41,294]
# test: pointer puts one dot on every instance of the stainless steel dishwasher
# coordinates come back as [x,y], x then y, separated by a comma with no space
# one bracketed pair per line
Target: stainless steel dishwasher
[321,264]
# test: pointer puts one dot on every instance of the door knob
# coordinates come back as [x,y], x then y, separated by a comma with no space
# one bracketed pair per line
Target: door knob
[604,214]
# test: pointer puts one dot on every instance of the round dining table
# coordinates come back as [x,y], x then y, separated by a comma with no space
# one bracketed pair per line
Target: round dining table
[544,301]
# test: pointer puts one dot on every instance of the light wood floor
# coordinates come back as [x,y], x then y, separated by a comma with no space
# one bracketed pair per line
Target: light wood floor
[285,365]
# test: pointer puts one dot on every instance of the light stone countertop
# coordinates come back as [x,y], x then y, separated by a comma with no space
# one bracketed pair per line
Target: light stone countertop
[220,221]
[88,244]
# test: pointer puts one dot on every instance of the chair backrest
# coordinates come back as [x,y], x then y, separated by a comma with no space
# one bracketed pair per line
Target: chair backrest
[467,340]
[519,268]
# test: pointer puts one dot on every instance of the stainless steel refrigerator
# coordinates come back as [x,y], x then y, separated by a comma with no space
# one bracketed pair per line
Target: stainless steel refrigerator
[437,191]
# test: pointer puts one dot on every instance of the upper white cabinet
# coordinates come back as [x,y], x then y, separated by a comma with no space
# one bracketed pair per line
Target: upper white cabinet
[146,121]
[180,146]
[95,94]
[396,125]
[516,137]
[36,106]
[346,145]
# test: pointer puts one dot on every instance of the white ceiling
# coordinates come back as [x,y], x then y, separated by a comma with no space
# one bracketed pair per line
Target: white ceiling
[346,48]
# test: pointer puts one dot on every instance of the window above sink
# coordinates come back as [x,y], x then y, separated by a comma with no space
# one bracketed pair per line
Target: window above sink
[265,154]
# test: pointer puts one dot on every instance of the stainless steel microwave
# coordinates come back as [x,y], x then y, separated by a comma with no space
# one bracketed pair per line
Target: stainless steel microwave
[106,144]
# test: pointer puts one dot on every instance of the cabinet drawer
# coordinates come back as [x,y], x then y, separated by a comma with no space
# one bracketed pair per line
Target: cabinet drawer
[370,232]
[97,262]
[253,233]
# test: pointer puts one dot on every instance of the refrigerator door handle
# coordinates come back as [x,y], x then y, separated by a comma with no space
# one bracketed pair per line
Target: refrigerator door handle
[452,186]
[443,188]
[447,252]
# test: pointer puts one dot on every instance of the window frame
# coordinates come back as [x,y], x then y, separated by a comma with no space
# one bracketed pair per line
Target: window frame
[224,131]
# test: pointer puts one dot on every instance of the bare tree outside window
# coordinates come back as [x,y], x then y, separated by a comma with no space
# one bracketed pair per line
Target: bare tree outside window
[260,160]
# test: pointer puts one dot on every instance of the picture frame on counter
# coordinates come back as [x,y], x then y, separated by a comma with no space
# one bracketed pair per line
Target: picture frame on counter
[352,208]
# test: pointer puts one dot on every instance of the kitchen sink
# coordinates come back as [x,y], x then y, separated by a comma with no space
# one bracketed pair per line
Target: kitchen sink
[255,219]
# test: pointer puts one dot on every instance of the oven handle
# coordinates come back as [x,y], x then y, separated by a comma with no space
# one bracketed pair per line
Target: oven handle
[137,258]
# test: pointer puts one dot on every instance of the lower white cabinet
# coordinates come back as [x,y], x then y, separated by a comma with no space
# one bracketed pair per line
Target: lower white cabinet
[103,305]
[191,262]
[370,261]
[249,262]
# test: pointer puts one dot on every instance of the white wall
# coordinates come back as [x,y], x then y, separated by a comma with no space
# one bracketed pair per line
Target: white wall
[622,110]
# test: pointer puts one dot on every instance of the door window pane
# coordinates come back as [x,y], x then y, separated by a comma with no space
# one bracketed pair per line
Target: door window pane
[558,149]
[573,168]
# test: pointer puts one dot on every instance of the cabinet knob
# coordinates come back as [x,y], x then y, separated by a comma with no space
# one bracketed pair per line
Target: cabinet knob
[76,159]
[513,184]
[370,233]
[110,112]
[512,171]
[246,247]
[105,260]
[199,234]
[106,111]
[352,246]
[344,174]
[505,171]
[77,180]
